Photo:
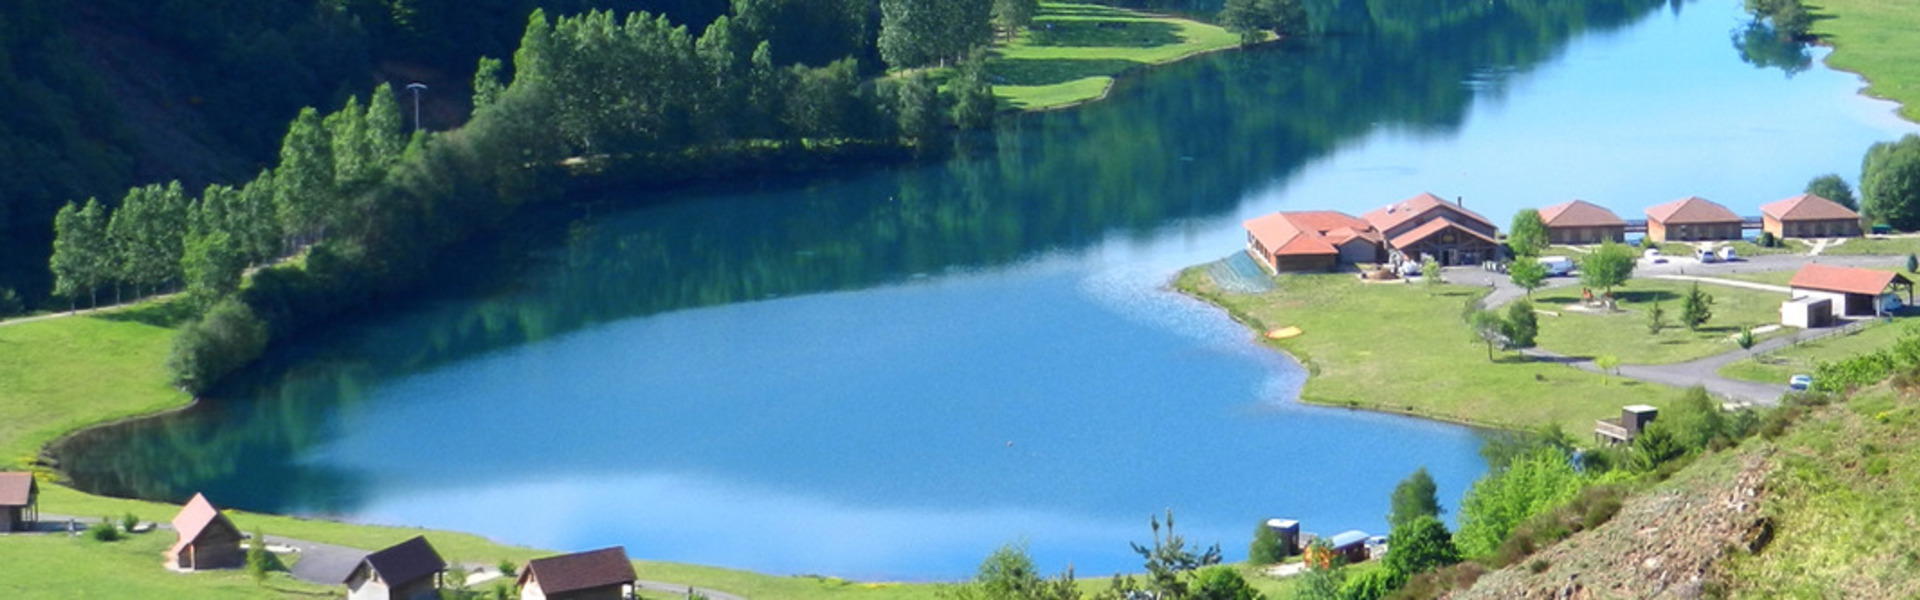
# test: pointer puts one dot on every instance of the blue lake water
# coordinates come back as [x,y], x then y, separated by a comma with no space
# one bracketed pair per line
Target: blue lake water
[888,373]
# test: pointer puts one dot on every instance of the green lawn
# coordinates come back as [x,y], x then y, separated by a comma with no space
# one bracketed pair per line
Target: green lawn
[1392,347]
[1777,366]
[1073,51]
[61,566]
[1875,38]
[1624,334]
[1894,246]
[64,374]
[1789,246]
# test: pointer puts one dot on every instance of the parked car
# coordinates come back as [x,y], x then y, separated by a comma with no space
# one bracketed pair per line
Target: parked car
[1727,254]
[1706,255]
[1800,383]
[1653,256]
[1557,266]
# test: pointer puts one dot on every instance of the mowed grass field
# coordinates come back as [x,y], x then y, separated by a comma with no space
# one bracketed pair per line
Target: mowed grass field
[63,374]
[1393,347]
[1073,51]
[1624,334]
[62,566]
[1879,39]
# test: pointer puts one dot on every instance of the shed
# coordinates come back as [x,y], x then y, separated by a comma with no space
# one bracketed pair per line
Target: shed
[1809,216]
[593,575]
[1692,219]
[409,570]
[207,539]
[1289,532]
[19,502]
[1854,292]
[1582,222]
[1807,313]
[1633,419]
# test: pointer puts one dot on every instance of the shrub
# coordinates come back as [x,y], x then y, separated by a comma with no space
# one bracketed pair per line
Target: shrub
[129,521]
[227,338]
[259,561]
[10,303]
[1266,548]
[104,531]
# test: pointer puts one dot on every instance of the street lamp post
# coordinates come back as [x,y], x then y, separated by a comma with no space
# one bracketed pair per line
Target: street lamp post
[417,87]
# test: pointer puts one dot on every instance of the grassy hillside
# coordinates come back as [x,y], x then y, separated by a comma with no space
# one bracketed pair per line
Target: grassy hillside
[1073,51]
[1879,39]
[63,374]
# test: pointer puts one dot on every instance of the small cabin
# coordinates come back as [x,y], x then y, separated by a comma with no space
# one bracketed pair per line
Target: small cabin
[409,570]
[1807,312]
[207,539]
[1350,546]
[604,573]
[19,502]
[1633,419]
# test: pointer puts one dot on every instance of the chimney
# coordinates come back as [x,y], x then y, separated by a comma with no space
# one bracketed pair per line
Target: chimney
[1460,201]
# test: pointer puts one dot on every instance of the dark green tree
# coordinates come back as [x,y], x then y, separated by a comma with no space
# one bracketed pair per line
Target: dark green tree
[1745,338]
[1521,325]
[1009,574]
[1832,187]
[1372,585]
[1416,496]
[1890,182]
[1696,420]
[1696,308]
[1220,582]
[1656,445]
[1913,263]
[1420,545]
[918,109]
[212,266]
[1487,328]
[1656,319]
[304,181]
[1527,236]
[1011,16]
[973,102]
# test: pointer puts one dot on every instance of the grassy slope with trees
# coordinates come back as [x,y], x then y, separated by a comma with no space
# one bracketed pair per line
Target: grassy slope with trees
[1072,52]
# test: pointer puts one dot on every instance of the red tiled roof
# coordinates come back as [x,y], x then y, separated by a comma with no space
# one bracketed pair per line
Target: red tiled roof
[1807,207]
[193,520]
[16,489]
[405,561]
[1691,210]
[1435,226]
[1394,215]
[1307,233]
[1579,213]
[1845,280]
[579,571]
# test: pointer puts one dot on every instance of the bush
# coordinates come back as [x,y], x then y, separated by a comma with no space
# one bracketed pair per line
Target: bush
[1266,548]
[129,521]
[104,531]
[227,338]
[1766,240]
[259,560]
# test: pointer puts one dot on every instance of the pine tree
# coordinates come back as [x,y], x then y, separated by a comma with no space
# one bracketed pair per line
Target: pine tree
[1696,309]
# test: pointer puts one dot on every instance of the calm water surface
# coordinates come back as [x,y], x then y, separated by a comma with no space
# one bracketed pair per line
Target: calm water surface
[889,373]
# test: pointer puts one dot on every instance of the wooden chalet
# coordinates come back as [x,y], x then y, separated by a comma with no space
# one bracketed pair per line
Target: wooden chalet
[1427,225]
[1578,222]
[599,574]
[1809,216]
[1692,219]
[207,539]
[409,570]
[19,502]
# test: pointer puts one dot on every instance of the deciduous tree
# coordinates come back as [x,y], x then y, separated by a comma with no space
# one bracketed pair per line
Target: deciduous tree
[1890,182]
[1528,273]
[1266,548]
[1607,267]
[1527,236]
[1420,545]
[1415,497]
[1832,187]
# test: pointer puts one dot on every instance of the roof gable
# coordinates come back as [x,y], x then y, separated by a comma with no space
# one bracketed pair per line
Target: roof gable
[1399,213]
[579,571]
[17,489]
[1691,210]
[1579,213]
[405,561]
[1807,207]
[1434,227]
[1848,280]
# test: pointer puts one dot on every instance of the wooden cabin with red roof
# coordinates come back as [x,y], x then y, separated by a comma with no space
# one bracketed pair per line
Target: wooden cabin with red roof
[1809,216]
[1692,219]
[19,502]
[207,540]
[604,573]
[1427,225]
[1853,292]
[1311,241]
[1579,222]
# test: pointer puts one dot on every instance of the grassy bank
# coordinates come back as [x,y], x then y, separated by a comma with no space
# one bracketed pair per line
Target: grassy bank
[64,374]
[1890,246]
[1776,367]
[1392,347]
[1624,334]
[1875,38]
[1073,51]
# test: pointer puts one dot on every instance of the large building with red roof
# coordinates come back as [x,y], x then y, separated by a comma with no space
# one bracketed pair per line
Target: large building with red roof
[1311,241]
[1425,225]
[1808,216]
[1692,219]
[1582,222]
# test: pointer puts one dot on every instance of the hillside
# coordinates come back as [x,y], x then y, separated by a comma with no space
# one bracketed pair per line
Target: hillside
[1824,508]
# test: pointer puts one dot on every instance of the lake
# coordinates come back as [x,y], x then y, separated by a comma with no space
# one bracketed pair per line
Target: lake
[887,373]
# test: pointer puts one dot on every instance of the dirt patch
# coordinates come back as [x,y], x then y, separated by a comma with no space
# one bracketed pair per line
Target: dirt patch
[1663,544]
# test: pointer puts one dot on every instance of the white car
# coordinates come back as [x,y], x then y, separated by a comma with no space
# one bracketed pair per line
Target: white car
[1800,383]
